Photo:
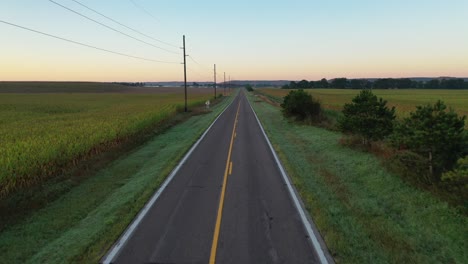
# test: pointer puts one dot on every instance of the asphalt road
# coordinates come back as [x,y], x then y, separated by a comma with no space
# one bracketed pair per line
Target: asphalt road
[228,203]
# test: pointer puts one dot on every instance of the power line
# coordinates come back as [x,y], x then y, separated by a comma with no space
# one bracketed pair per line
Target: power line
[194,60]
[190,56]
[86,45]
[111,28]
[123,25]
[144,10]
[199,65]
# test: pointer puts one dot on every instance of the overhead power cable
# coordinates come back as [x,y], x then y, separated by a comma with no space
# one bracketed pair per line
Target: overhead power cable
[202,66]
[123,25]
[86,45]
[111,28]
[144,10]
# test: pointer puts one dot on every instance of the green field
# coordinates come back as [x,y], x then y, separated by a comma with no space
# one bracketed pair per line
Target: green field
[365,213]
[83,223]
[404,100]
[42,134]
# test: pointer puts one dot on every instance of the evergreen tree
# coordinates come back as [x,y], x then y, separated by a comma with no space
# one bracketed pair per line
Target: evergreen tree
[436,134]
[368,117]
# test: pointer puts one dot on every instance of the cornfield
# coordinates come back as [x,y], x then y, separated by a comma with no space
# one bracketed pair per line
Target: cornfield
[42,133]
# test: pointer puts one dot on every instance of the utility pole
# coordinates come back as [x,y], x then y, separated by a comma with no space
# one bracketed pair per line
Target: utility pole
[230,87]
[215,80]
[224,84]
[185,75]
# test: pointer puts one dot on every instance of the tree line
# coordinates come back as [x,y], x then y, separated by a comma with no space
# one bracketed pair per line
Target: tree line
[133,84]
[384,83]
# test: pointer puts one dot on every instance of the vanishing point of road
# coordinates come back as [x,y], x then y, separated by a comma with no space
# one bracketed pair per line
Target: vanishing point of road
[227,202]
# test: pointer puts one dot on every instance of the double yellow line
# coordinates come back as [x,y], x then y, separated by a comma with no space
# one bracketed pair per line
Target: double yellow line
[227,172]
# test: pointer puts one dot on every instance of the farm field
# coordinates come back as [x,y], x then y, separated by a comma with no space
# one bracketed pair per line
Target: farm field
[405,101]
[89,87]
[91,214]
[61,87]
[40,133]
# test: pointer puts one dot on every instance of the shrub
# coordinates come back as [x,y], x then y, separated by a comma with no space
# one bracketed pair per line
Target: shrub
[458,177]
[434,133]
[249,88]
[411,166]
[368,117]
[456,181]
[301,105]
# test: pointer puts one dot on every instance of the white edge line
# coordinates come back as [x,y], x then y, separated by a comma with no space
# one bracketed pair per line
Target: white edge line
[132,227]
[293,195]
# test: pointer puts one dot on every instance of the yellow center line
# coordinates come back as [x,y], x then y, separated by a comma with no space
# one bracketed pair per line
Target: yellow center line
[214,246]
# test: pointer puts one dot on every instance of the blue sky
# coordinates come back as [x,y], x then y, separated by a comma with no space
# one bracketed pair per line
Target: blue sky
[292,39]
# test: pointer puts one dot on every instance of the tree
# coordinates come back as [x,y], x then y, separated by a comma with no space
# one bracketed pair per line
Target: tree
[404,83]
[301,105]
[249,88]
[293,85]
[339,83]
[435,133]
[304,84]
[368,117]
[432,84]
[386,83]
[452,84]
[359,84]
[323,83]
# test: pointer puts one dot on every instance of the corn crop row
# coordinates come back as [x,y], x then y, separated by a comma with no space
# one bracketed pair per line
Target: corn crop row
[41,133]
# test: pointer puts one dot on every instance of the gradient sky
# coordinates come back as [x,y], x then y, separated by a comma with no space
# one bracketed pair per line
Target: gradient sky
[247,39]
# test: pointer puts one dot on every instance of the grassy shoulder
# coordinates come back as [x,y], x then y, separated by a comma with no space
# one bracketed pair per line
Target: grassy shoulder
[82,224]
[365,213]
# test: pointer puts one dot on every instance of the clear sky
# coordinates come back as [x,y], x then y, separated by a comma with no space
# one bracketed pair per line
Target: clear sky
[247,39]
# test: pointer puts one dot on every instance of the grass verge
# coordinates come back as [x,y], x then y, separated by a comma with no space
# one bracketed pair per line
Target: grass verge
[82,224]
[365,213]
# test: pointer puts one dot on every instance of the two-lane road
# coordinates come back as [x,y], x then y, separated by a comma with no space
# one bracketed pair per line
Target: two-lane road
[228,203]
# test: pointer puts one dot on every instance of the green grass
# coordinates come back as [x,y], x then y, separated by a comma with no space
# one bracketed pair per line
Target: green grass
[43,134]
[83,223]
[364,213]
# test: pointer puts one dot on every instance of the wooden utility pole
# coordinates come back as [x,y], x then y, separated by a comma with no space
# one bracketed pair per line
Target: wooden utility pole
[230,87]
[224,84]
[185,75]
[215,80]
